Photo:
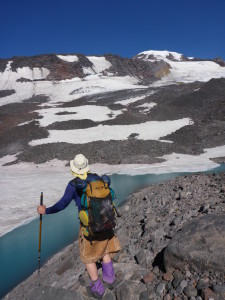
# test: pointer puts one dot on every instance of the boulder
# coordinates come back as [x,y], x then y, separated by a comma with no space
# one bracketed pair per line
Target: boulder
[199,245]
[47,292]
[128,290]
[144,258]
[208,294]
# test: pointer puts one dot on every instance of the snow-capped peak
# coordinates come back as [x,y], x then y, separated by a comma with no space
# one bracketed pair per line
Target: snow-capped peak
[161,55]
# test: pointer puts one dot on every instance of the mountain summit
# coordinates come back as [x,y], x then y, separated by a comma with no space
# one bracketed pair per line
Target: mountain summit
[161,55]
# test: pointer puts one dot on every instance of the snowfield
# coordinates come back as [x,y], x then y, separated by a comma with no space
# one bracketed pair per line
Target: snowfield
[191,71]
[64,90]
[184,71]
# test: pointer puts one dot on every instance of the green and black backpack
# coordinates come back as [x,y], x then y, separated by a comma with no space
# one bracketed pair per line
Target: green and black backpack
[98,213]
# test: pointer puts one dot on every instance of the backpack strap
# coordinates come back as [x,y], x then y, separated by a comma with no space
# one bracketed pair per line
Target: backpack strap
[88,182]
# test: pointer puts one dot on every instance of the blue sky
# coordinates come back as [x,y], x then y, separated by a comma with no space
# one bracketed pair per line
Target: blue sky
[193,28]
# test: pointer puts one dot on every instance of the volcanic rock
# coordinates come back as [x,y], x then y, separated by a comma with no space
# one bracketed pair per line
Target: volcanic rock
[199,245]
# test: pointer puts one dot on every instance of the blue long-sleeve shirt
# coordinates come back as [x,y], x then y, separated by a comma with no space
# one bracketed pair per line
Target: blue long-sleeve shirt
[69,195]
[73,192]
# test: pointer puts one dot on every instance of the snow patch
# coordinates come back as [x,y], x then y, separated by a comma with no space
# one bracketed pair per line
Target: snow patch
[130,100]
[23,90]
[10,77]
[25,123]
[88,71]
[100,64]
[91,112]
[147,105]
[68,58]
[153,130]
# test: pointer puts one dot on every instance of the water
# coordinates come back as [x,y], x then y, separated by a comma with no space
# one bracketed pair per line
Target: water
[19,248]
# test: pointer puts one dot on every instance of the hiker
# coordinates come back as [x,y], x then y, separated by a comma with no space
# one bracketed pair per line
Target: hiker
[105,244]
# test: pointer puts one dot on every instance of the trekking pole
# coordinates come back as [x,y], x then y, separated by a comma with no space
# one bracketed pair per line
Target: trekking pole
[39,249]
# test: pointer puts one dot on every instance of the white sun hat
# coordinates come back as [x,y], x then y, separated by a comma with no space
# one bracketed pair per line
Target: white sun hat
[80,164]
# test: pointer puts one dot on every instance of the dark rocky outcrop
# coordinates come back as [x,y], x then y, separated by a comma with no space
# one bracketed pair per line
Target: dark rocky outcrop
[199,246]
[59,69]
[4,93]
[219,61]
[145,71]
[3,64]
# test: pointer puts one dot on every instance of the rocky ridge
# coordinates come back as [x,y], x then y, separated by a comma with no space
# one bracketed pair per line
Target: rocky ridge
[151,220]
[61,69]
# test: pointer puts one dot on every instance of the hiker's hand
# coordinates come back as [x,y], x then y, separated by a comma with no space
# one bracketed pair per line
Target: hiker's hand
[41,209]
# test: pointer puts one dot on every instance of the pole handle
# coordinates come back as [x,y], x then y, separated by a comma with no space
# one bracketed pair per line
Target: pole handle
[41,199]
[40,225]
[41,203]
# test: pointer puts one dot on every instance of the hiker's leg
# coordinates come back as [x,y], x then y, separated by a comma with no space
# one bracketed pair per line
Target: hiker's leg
[92,271]
[108,274]
[107,258]
[96,287]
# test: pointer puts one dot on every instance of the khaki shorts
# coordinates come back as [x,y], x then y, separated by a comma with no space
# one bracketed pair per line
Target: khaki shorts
[94,251]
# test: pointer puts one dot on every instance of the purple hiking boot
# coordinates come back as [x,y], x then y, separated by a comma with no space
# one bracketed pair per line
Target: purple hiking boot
[108,275]
[97,289]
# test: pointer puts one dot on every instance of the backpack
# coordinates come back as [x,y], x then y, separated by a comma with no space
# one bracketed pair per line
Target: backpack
[98,214]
